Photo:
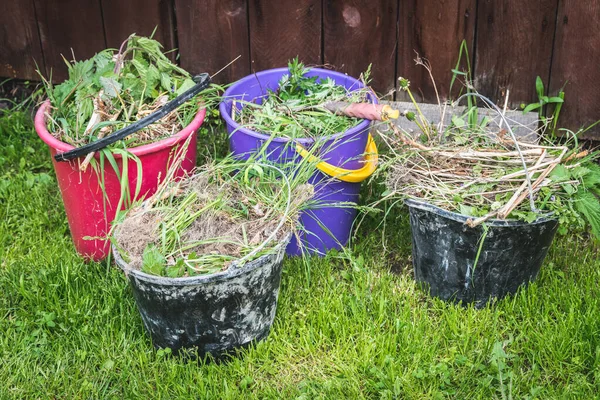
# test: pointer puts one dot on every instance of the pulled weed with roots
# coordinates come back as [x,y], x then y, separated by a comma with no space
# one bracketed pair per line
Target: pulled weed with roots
[482,170]
[302,107]
[226,212]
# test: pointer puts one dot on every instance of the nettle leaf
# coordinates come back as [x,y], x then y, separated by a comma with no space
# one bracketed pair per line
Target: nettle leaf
[527,216]
[134,86]
[107,71]
[579,172]
[153,262]
[141,65]
[568,188]
[103,60]
[591,180]
[560,174]
[589,205]
[177,270]
[63,90]
[165,81]
[152,77]
[186,85]
[81,70]
[111,86]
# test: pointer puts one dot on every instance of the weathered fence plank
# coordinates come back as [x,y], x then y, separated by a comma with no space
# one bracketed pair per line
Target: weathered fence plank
[513,42]
[69,27]
[211,33]
[358,33]
[21,48]
[122,18]
[433,29]
[576,64]
[282,31]
[514,45]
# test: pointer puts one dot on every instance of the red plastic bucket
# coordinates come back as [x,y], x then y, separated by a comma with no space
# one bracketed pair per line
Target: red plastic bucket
[89,210]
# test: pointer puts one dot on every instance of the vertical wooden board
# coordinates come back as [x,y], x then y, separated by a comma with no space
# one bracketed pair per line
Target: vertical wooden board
[358,33]
[122,18]
[513,46]
[66,25]
[212,33]
[576,62]
[433,29]
[21,48]
[282,31]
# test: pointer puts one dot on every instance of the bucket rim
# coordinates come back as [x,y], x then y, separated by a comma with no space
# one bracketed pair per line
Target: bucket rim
[227,99]
[60,146]
[423,205]
[229,273]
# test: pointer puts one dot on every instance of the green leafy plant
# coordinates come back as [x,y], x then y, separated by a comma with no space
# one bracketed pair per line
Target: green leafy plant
[472,111]
[115,88]
[543,101]
[298,109]
[153,262]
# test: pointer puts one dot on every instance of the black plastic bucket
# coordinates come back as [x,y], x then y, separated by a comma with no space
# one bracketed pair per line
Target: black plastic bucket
[444,251]
[213,313]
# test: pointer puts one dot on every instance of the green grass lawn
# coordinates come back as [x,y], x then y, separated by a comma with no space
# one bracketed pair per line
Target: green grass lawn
[347,326]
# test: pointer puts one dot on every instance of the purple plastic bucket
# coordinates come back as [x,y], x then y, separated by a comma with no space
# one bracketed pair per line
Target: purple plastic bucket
[326,225]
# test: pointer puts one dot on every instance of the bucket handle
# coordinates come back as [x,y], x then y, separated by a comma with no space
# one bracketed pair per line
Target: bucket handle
[346,175]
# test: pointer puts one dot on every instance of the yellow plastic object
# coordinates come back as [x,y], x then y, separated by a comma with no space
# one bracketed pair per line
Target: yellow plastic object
[388,112]
[347,175]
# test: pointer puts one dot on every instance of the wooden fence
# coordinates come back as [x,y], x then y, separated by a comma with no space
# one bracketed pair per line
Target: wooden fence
[509,42]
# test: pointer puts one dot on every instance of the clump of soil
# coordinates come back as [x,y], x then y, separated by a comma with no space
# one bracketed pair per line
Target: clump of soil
[135,234]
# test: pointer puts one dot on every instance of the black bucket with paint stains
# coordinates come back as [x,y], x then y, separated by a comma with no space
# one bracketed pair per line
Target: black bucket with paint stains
[445,261]
[210,314]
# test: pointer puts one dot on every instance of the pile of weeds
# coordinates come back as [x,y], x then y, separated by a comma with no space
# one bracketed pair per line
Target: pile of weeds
[482,170]
[297,109]
[226,212]
[118,87]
